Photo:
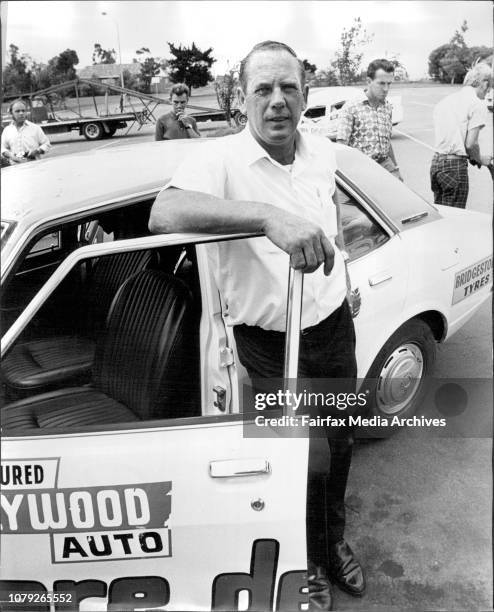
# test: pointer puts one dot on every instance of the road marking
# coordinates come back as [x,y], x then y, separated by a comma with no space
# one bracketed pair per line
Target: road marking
[424,144]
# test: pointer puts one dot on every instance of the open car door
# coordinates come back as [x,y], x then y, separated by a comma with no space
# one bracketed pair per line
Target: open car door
[173,513]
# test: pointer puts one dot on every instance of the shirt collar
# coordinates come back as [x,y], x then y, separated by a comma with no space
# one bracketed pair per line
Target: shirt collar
[365,99]
[251,151]
[25,124]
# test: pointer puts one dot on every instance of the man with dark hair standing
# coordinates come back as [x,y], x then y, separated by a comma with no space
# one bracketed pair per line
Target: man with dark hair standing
[22,140]
[272,179]
[458,119]
[177,124]
[366,123]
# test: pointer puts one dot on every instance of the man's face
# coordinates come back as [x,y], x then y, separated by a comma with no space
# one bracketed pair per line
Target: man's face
[18,113]
[179,103]
[378,87]
[274,98]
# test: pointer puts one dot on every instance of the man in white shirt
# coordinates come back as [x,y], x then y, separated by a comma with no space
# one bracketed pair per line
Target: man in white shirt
[458,119]
[22,140]
[274,180]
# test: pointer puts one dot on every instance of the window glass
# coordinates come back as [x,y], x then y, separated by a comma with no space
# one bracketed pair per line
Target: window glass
[315,111]
[361,233]
[49,242]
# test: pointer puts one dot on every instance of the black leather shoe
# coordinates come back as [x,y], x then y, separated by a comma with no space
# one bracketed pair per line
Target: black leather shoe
[320,593]
[345,570]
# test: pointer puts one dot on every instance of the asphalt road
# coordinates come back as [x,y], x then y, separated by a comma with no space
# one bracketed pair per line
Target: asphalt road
[418,506]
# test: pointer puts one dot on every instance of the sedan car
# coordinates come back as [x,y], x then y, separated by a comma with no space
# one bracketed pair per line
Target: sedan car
[324,105]
[130,473]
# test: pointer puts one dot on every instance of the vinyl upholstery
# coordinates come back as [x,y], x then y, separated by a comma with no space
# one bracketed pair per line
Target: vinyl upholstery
[41,363]
[135,362]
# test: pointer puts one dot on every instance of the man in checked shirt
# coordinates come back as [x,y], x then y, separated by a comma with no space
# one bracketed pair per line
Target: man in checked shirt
[365,123]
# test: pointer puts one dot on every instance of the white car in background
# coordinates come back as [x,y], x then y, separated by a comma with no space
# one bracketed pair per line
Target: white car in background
[325,103]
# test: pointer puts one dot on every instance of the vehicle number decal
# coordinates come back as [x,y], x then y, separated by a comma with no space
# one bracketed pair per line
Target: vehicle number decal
[470,280]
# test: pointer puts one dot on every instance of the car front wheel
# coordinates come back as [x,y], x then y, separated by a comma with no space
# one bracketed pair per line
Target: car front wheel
[397,376]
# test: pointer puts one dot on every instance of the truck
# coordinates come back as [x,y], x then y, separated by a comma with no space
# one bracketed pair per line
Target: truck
[44,109]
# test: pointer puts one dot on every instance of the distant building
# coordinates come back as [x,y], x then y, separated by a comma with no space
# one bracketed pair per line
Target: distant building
[110,75]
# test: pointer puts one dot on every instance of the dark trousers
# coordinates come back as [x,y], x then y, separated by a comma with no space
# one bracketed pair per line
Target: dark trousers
[449,180]
[327,350]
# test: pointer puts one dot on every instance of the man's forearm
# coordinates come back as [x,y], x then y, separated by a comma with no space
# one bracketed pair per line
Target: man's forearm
[473,152]
[177,210]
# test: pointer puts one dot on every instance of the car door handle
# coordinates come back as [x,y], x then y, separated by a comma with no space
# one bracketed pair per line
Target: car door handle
[379,278]
[228,468]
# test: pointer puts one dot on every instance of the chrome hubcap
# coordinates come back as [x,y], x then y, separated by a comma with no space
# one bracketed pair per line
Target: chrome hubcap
[400,379]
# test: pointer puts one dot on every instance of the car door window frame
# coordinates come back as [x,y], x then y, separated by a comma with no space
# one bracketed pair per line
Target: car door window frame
[294,310]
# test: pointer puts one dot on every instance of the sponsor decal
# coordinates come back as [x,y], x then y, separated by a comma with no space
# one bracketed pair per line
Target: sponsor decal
[137,592]
[472,279]
[85,523]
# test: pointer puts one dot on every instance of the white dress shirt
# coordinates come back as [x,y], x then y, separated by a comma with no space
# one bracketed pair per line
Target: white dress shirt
[252,274]
[26,138]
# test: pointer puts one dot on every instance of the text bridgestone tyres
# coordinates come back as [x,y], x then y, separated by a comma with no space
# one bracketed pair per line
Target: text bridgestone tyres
[93,131]
[398,373]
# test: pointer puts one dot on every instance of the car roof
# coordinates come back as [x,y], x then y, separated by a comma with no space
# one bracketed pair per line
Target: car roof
[326,96]
[68,183]
[52,188]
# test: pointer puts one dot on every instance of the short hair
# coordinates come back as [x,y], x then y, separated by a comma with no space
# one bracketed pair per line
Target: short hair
[178,89]
[377,64]
[268,45]
[16,101]
[477,74]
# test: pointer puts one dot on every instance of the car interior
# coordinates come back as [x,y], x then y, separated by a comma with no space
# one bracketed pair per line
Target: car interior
[113,341]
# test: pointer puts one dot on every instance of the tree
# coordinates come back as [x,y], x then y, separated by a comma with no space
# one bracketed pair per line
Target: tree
[61,67]
[190,65]
[225,88]
[450,62]
[150,67]
[310,70]
[325,78]
[17,78]
[348,58]
[103,56]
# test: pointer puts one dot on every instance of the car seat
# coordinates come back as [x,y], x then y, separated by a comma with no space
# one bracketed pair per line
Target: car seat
[135,362]
[42,363]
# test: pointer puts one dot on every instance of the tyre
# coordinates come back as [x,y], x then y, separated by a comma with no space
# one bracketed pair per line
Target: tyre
[398,375]
[93,131]
[240,119]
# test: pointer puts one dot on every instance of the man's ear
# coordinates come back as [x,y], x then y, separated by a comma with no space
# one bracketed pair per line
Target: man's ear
[305,94]
[241,99]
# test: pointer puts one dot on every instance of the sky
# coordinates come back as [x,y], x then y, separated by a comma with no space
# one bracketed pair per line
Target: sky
[409,30]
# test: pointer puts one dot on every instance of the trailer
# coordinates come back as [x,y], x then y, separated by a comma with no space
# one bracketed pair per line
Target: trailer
[47,109]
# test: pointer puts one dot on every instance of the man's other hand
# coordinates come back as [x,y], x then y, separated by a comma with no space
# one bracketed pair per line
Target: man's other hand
[185,120]
[303,240]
